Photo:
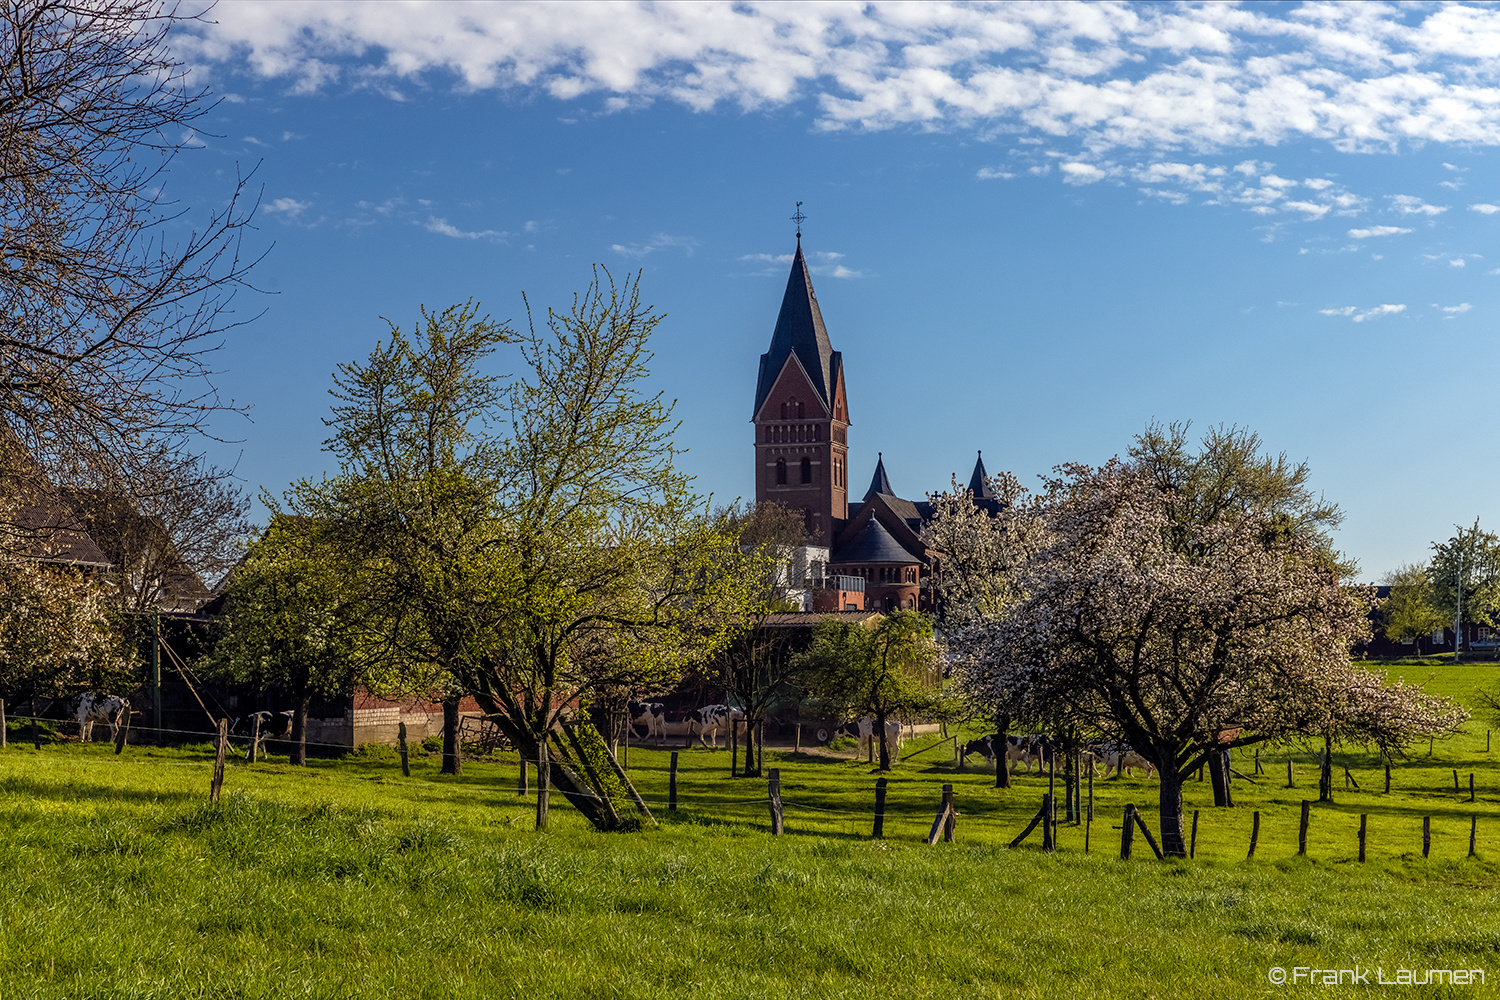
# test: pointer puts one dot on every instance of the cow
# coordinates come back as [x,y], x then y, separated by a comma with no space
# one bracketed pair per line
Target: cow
[94,707]
[1120,758]
[710,720]
[1026,750]
[651,714]
[865,729]
[277,725]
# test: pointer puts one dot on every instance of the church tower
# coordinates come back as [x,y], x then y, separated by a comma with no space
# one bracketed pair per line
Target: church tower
[801,415]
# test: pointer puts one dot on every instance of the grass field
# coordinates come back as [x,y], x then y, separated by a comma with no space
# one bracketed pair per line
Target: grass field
[345,879]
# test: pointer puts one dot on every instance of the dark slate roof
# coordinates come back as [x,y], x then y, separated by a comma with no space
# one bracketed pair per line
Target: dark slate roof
[879,484]
[979,487]
[873,544]
[800,331]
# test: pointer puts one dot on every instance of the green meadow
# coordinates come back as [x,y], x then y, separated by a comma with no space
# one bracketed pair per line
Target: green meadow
[345,879]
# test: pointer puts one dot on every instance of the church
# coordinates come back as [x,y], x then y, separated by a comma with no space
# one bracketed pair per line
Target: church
[861,554]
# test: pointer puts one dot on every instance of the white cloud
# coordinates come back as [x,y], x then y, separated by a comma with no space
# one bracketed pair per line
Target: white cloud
[1360,315]
[1462,307]
[1364,234]
[290,207]
[824,263]
[444,228]
[1411,205]
[1107,75]
[1311,209]
[661,241]
[993,173]
[1484,208]
[1082,173]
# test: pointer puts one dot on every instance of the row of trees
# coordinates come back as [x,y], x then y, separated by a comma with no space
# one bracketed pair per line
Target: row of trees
[1189,602]
[1461,584]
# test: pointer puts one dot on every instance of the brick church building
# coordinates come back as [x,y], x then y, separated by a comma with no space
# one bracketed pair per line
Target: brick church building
[871,544]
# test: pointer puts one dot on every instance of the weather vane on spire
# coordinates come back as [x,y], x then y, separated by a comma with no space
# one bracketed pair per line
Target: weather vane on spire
[799,218]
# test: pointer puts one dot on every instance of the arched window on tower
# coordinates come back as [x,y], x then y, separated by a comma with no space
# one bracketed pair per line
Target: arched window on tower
[799,411]
[806,471]
[781,472]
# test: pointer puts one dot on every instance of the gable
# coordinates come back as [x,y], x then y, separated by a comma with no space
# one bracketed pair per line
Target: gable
[792,384]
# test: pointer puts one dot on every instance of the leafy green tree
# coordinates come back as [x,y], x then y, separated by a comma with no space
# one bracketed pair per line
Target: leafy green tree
[1465,576]
[1410,613]
[290,622]
[415,499]
[888,670]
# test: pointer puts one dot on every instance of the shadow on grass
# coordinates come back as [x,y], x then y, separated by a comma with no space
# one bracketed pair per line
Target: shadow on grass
[74,791]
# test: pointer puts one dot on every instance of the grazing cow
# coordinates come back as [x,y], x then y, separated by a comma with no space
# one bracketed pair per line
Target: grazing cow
[865,729]
[94,707]
[710,720]
[651,714]
[1120,758]
[1028,750]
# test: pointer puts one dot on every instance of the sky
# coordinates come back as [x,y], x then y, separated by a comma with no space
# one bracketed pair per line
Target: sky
[1033,228]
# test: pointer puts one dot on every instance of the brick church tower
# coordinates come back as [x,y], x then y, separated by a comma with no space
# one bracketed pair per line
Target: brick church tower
[801,415]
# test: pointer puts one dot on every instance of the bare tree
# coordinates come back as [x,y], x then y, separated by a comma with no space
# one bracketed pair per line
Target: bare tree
[110,305]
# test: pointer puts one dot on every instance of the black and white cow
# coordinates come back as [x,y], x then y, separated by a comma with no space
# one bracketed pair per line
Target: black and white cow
[864,729]
[94,707]
[1028,750]
[651,714]
[1120,758]
[273,725]
[710,720]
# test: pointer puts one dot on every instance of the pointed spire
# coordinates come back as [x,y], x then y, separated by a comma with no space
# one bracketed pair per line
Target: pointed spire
[799,331]
[880,484]
[979,486]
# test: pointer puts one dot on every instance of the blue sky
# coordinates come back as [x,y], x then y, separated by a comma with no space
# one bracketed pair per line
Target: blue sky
[1034,227]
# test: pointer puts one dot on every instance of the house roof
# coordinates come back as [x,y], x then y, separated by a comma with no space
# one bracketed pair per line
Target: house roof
[879,484]
[873,544]
[979,486]
[800,331]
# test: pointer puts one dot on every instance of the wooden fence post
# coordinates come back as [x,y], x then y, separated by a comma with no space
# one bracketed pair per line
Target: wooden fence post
[797,747]
[775,795]
[401,742]
[3,733]
[1091,795]
[521,788]
[1193,843]
[1146,832]
[1254,835]
[543,784]
[1127,832]
[672,784]
[1258,768]
[879,830]
[1289,783]
[1049,842]
[1473,832]
[625,752]
[1455,781]
[1302,827]
[123,735]
[1032,825]
[1426,835]
[1387,778]
[223,744]
[950,824]
[1363,817]
[36,733]
[254,738]
[1088,822]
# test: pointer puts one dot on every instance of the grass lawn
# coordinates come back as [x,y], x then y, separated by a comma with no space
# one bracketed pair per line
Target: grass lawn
[345,879]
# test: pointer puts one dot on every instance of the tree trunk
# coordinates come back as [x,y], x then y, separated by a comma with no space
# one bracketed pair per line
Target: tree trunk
[879,734]
[299,730]
[1218,775]
[1002,725]
[452,764]
[1325,773]
[1173,845]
